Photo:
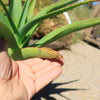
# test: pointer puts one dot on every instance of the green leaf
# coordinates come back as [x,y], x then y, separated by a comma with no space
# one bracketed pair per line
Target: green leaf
[8,35]
[29,25]
[31,8]
[53,7]
[65,30]
[31,52]
[4,20]
[60,4]
[15,10]
[10,20]
[23,15]
[28,36]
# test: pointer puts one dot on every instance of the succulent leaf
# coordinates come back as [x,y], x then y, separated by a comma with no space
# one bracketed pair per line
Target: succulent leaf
[35,52]
[15,9]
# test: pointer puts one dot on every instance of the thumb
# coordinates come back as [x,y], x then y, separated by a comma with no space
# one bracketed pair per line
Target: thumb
[5,61]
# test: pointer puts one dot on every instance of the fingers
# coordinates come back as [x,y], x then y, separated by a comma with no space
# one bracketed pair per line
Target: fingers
[45,68]
[46,77]
[46,72]
[40,65]
[33,61]
[27,77]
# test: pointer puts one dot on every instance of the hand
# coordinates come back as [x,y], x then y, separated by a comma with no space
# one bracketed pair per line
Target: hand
[20,80]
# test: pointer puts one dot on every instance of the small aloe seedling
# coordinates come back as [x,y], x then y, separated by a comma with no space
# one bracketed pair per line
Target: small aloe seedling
[19,23]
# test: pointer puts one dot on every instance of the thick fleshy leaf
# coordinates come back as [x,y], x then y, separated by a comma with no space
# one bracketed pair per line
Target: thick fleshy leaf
[30,14]
[31,52]
[28,26]
[15,10]
[4,20]
[56,6]
[10,20]
[23,16]
[7,35]
[28,36]
[65,30]
[53,7]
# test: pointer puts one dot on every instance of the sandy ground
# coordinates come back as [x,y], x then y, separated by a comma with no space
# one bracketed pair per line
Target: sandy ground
[80,79]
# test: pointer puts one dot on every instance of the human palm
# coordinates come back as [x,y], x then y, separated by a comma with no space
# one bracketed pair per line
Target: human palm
[20,80]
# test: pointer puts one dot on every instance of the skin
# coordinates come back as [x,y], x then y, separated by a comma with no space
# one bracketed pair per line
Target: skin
[21,80]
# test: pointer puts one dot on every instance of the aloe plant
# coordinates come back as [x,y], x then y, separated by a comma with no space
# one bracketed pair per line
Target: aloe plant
[19,24]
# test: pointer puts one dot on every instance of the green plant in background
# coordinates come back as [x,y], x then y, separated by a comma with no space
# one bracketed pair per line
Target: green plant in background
[19,24]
